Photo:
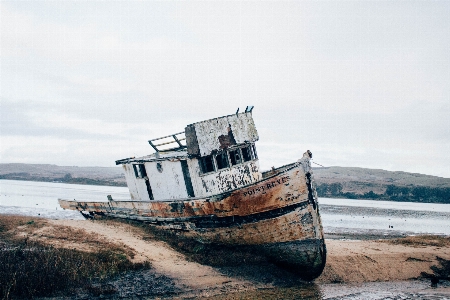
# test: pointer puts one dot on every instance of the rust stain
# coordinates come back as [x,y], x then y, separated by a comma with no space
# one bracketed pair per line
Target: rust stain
[272,193]
[228,140]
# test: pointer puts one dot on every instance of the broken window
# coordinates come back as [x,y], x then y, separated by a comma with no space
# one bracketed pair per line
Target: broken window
[139,171]
[247,153]
[235,157]
[222,161]
[206,164]
[255,155]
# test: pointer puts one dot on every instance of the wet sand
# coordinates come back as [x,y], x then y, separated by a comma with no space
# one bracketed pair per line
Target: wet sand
[355,264]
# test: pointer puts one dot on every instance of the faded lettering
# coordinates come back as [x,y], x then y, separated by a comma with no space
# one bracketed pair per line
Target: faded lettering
[267,186]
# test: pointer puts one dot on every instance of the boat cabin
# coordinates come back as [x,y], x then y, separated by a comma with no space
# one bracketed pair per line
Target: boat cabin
[208,158]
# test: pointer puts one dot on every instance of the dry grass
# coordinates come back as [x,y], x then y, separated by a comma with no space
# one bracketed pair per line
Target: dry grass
[28,224]
[39,230]
[422,241]
[39,260]
[68,237]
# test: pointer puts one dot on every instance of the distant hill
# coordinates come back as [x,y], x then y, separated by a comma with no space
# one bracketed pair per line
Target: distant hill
[68,174]
[334,182]
[361,183]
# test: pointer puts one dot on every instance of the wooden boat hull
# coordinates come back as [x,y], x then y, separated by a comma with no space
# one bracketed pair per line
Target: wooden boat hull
[279,215]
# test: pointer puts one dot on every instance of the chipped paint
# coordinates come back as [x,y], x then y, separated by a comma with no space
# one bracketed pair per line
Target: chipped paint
[224,180]
[203,138]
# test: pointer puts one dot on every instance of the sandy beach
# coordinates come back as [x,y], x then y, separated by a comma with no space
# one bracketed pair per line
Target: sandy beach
[176,274]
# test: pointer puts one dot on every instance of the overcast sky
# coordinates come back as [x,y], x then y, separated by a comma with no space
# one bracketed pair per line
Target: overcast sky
[359,83]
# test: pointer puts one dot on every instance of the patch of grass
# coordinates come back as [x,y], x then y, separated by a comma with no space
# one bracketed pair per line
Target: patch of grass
[30,268]
[67,236]
[422,241]
[10,222]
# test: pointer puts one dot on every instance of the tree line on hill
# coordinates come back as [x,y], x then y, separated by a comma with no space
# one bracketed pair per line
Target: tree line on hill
[392,193]
[67,178]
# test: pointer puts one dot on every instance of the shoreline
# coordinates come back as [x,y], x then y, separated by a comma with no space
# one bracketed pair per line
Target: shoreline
[353,259]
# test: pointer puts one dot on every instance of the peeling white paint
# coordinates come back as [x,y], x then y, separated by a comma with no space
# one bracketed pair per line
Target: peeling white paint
[168,184]
[137,186]
[208,132]
[223,180]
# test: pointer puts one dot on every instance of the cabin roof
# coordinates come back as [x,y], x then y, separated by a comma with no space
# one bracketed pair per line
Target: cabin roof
[202,138]
[206,137]
[158,156]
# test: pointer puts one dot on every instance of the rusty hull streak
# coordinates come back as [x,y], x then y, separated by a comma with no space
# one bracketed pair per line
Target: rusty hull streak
[228,140]
[288,227]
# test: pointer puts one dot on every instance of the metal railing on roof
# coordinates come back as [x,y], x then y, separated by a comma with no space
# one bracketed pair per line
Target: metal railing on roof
[168,140]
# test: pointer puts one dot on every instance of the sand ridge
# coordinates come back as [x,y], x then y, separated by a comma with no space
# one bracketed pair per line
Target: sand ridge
[368,261]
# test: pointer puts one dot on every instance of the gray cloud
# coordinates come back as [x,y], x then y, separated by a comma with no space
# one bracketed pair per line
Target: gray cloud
[359,83]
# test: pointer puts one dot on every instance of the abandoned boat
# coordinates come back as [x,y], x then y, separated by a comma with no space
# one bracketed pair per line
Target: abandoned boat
[205,183]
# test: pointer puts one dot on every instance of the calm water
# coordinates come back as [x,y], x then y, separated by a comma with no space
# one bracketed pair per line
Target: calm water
[338,215]
[41,198]
[369,216]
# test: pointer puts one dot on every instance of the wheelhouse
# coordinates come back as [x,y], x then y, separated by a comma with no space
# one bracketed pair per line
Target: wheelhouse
[208,158]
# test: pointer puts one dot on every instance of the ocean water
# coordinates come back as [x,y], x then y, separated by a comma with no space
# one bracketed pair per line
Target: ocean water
[33,198]
[338,215]
[384,217]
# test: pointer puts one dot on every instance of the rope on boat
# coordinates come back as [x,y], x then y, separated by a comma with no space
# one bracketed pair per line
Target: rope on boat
[318,164]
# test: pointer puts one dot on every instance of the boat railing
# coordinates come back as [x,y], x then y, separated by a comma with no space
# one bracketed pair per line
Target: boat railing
[170,142]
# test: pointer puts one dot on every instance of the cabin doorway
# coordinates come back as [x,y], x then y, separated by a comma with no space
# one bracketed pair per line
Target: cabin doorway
[187,178]
[141,173]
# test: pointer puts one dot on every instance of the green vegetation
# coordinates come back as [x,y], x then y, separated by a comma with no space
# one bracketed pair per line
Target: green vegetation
[360,183]
[392,193]
[31,269]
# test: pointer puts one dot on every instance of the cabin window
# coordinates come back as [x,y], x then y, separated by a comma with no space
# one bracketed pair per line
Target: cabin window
[206,164]
[139,171]
[247,153]
[255,155]
[222,161]
[235,157]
